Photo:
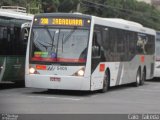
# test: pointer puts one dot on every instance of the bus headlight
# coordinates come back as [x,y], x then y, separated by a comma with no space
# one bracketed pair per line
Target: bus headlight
[32,70]
[80,72]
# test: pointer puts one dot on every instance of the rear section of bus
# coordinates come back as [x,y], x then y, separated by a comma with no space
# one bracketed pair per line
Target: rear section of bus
[57,53]
[157,60]
[12,46]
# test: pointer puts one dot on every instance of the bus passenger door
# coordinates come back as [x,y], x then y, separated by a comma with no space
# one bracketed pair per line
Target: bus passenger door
[15,58]
[96,78]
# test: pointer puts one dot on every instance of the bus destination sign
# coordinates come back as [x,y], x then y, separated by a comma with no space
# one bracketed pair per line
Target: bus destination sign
[72,22]
[63,21]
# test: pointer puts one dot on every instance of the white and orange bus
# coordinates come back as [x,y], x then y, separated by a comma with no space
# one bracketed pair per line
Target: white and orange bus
[73,51]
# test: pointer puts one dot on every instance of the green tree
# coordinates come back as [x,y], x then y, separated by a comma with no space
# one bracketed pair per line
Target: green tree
[12,3]
[59,5]
[132,10]
[33,6]
[49,5]
[68,5]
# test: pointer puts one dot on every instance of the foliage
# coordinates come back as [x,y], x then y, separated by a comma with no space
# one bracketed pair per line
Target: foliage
[132,10]
[59,5]
[13,2]
[140,12]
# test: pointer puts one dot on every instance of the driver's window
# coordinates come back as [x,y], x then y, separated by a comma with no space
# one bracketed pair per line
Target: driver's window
[96,51]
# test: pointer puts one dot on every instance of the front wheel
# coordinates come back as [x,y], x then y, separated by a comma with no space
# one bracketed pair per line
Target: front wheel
[105,83]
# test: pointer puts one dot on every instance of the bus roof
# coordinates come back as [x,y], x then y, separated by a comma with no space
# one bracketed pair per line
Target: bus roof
[158,32]
[18,15]
[63,14]
[15,8]
[126,22]
[113,22]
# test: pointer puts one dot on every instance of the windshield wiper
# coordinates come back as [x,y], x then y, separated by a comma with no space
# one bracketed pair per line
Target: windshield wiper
[52,38]
[62,42]
[64,39]
[69,35]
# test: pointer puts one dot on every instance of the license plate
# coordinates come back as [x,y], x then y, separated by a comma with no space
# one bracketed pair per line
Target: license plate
[56,79]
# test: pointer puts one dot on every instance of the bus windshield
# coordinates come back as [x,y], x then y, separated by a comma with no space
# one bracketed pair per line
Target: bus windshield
[59,45]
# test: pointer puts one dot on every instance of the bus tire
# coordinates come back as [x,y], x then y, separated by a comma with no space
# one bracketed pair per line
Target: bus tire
[105,82]
[143,76]
[138,78]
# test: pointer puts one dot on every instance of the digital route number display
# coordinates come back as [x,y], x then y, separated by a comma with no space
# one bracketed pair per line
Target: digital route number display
[62,21]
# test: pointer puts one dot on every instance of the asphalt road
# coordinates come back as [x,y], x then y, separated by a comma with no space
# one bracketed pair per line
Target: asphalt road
[124,99]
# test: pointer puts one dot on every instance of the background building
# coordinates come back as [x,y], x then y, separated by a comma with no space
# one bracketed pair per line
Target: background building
[155,3]
[146,1]
[152,2]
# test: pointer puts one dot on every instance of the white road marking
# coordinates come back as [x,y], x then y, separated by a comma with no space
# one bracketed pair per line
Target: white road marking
[151,90]
[64,98]
[47,97]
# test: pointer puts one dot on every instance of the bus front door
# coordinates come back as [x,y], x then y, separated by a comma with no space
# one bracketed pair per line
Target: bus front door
[13,69]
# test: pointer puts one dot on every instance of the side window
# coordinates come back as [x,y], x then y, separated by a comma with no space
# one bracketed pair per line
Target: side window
[132,44]
[141,43]
[3,40]
[5,33]
[96,49]
[24,39]
[106,45]
[158,47]
[105,39]
[112,41]
[150,46]
[121,45]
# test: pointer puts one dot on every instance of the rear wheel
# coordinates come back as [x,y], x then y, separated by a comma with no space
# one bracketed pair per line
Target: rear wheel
[143,77]
[138,78]
[105,83]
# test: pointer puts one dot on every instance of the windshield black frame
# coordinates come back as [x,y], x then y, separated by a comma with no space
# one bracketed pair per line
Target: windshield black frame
[72,30]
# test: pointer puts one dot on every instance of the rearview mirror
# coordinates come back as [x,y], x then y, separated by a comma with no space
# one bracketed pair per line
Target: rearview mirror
[95,51]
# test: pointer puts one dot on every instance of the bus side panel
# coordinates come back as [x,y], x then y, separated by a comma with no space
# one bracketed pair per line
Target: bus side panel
[157,57]
[157,69]
[140,61]
[121,72]
[98,75]
[149,63]
[132,67]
